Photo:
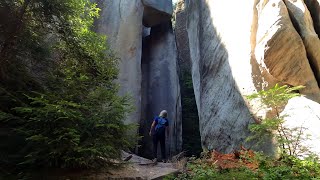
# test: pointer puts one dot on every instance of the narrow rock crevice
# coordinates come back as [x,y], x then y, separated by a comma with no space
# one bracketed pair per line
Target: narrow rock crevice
[190,120]
[160,87]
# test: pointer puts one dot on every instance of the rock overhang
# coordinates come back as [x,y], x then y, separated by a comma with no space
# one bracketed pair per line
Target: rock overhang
[156,12]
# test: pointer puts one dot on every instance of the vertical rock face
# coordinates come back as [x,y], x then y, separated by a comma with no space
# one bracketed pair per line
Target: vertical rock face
[301,17]
[239,47]
[182,39]
[190,119]
[121,21]
[314,8]
[223,113]
[161,84]
[280,51]
[153,84]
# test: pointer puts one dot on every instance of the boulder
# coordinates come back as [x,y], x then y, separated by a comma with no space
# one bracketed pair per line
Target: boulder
[280,51]
[156,12]
[302,19]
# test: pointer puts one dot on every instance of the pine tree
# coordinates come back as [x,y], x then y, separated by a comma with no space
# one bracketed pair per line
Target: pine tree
[58,99]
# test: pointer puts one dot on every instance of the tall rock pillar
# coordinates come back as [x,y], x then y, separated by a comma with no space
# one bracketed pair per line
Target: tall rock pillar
[152,84]
[121,21]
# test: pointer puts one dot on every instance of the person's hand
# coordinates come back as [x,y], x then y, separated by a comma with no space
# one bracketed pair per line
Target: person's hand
[150,133]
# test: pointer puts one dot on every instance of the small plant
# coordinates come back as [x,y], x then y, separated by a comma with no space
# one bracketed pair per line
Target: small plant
[289,139]
[200,169]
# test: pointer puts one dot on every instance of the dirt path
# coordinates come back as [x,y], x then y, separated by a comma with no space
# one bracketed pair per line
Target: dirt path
[141,168]
[137,168]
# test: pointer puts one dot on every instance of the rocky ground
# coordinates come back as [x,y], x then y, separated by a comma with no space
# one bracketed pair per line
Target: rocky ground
[134,167]
[141,168]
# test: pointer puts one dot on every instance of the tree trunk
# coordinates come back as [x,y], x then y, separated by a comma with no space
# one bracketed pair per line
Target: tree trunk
[10,41]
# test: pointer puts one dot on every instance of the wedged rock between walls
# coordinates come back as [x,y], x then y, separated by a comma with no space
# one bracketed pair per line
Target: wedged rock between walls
[156,12]
[160,83]
[148,74]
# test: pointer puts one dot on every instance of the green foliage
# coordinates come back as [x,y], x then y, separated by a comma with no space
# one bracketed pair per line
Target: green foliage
[288,139]
[199,169]
[59,105]
[269,168]
[277,96]
[289,167]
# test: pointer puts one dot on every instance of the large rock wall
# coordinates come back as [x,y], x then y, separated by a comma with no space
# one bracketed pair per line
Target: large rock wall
[303,21]
[239,47]
[190,119]
[223,113]
[161,85]
[121,21]
[281,51]
[153,83]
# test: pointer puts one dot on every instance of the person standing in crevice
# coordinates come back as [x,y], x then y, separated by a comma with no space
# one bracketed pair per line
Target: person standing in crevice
[159,129]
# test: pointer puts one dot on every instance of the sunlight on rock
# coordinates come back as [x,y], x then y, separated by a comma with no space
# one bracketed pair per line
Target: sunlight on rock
[305,113]
[233,21]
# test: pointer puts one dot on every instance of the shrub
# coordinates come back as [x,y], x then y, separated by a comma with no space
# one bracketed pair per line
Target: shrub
[288,166]
[288,139]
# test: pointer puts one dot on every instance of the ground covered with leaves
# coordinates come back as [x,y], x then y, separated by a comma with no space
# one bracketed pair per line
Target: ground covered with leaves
[247,164]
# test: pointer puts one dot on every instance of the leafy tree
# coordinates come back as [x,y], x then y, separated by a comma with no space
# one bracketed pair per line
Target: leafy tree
[288,139]
[59,105]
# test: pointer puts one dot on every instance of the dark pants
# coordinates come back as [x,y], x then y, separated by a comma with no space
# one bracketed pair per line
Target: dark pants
[159,137]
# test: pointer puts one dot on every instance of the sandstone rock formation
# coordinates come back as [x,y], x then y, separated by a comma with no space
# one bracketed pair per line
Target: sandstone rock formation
[156,12]
[239,47]
[280,51]
[190,119]
[160,84]
[121,21]
[314,8]
[223,113]
[301,17]
[156,87]
[182,40]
